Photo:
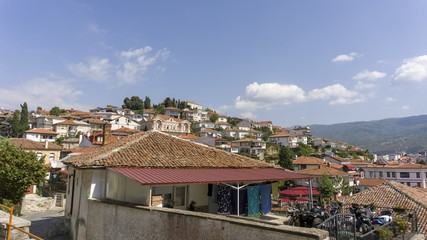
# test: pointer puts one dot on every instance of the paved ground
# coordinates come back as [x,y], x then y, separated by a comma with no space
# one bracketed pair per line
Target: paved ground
[47,222]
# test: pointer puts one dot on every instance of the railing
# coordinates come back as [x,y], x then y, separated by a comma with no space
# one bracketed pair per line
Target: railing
[340,226]
[10,225]
[402,227]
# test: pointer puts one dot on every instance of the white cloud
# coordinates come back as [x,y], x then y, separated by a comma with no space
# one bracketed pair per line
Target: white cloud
[412,70]
[135,63]
[406,107]
[364,85]
[268,95]
[369,75]
[44,92]
[128,67]
[345,57]
[336,94]
[96,69]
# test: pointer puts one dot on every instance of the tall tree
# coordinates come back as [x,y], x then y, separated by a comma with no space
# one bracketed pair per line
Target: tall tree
[168,102]
[134,103]
[24,120]
[304,150]
[147,102]
[18,170]
[326,186]
[14,123]
[286,156]
[56,111]
[213,117]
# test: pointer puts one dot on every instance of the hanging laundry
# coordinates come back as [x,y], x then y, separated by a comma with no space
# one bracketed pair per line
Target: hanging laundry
[224,199]
[243,197]
[253,201]
[265,193]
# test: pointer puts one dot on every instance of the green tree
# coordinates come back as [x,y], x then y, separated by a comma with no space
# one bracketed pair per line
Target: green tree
[14,123]
[304,150]
[24,120]
[326,186]
[213,117]
[285,158]
[56,111]
[134,103]
[18,170]
[147,102]
[168,102]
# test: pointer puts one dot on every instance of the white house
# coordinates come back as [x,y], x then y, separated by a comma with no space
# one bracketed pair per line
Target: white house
[288,140]
[122,121]
[194,105]
[414,175]
[167,124]
[70,128]
[40,135]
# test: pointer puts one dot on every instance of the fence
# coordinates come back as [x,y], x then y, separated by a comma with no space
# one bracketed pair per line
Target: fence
[340,226]
[10,226]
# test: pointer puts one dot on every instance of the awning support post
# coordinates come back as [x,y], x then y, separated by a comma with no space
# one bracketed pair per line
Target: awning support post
[310,194]
[238,194]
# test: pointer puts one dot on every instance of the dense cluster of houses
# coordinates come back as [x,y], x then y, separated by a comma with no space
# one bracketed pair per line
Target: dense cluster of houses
[179,158]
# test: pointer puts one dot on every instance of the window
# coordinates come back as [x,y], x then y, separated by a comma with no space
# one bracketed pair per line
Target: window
[393,174]
[418,184]
[52,156]
[408,183]
[381,174]
[388,174]
[418,175]
[39,155]
[404,175]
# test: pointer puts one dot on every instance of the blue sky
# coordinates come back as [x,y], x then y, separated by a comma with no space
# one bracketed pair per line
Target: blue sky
[291,62]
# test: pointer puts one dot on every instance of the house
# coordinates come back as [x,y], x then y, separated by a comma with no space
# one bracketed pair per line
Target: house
[119,190]
[288,140]
[95,124]
[250,146]
[260,124]
[222,119]
[300,130]
[392,194]
[167,124]
[222,125]
[121,121]
[414,175]
[50,151]
[308,162]
[70,128]
[244,125]
[365,183]
[196,115]
[189,137]
[172,111]
[40,135]
[210,133]
[200,126]
[194,105]
[46,122]
[236,134]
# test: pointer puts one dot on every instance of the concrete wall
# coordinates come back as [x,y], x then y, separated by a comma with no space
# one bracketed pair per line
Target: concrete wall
[112,221]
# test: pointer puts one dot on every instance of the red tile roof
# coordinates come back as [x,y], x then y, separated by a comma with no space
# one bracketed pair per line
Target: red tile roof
[32,145]
[125,130]
[370,182]
[154,149]
[155,176]
[323,170]
[189,137]
[41,131]
[66,122]
[395,194]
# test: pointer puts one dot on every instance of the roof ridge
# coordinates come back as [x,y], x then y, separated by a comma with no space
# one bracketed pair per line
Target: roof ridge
[390,184]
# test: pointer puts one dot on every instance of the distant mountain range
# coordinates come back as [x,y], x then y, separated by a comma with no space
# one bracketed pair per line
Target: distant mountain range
[385,136]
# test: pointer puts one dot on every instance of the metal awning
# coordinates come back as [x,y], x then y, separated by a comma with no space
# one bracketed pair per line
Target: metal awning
[162,176]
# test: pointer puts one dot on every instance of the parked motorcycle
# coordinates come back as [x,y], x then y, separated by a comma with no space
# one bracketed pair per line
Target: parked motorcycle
[363,222]
[311,218]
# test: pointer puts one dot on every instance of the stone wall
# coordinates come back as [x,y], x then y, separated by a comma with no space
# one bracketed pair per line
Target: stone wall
[17,221]
[112,221]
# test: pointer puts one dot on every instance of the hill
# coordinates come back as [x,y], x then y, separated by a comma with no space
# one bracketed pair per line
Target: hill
[407,134]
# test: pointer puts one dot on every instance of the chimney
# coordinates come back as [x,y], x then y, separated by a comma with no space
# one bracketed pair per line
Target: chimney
[107,134]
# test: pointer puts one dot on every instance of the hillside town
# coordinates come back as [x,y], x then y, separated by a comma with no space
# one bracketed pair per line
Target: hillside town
[180,164]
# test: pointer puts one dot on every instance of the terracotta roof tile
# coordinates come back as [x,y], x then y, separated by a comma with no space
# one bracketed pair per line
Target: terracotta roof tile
[41,131]
[369,182]
[395,194]
[66,122]
[159,150]
[189,137]
[308,161]
[323,170]
[125,130]
[32,145]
